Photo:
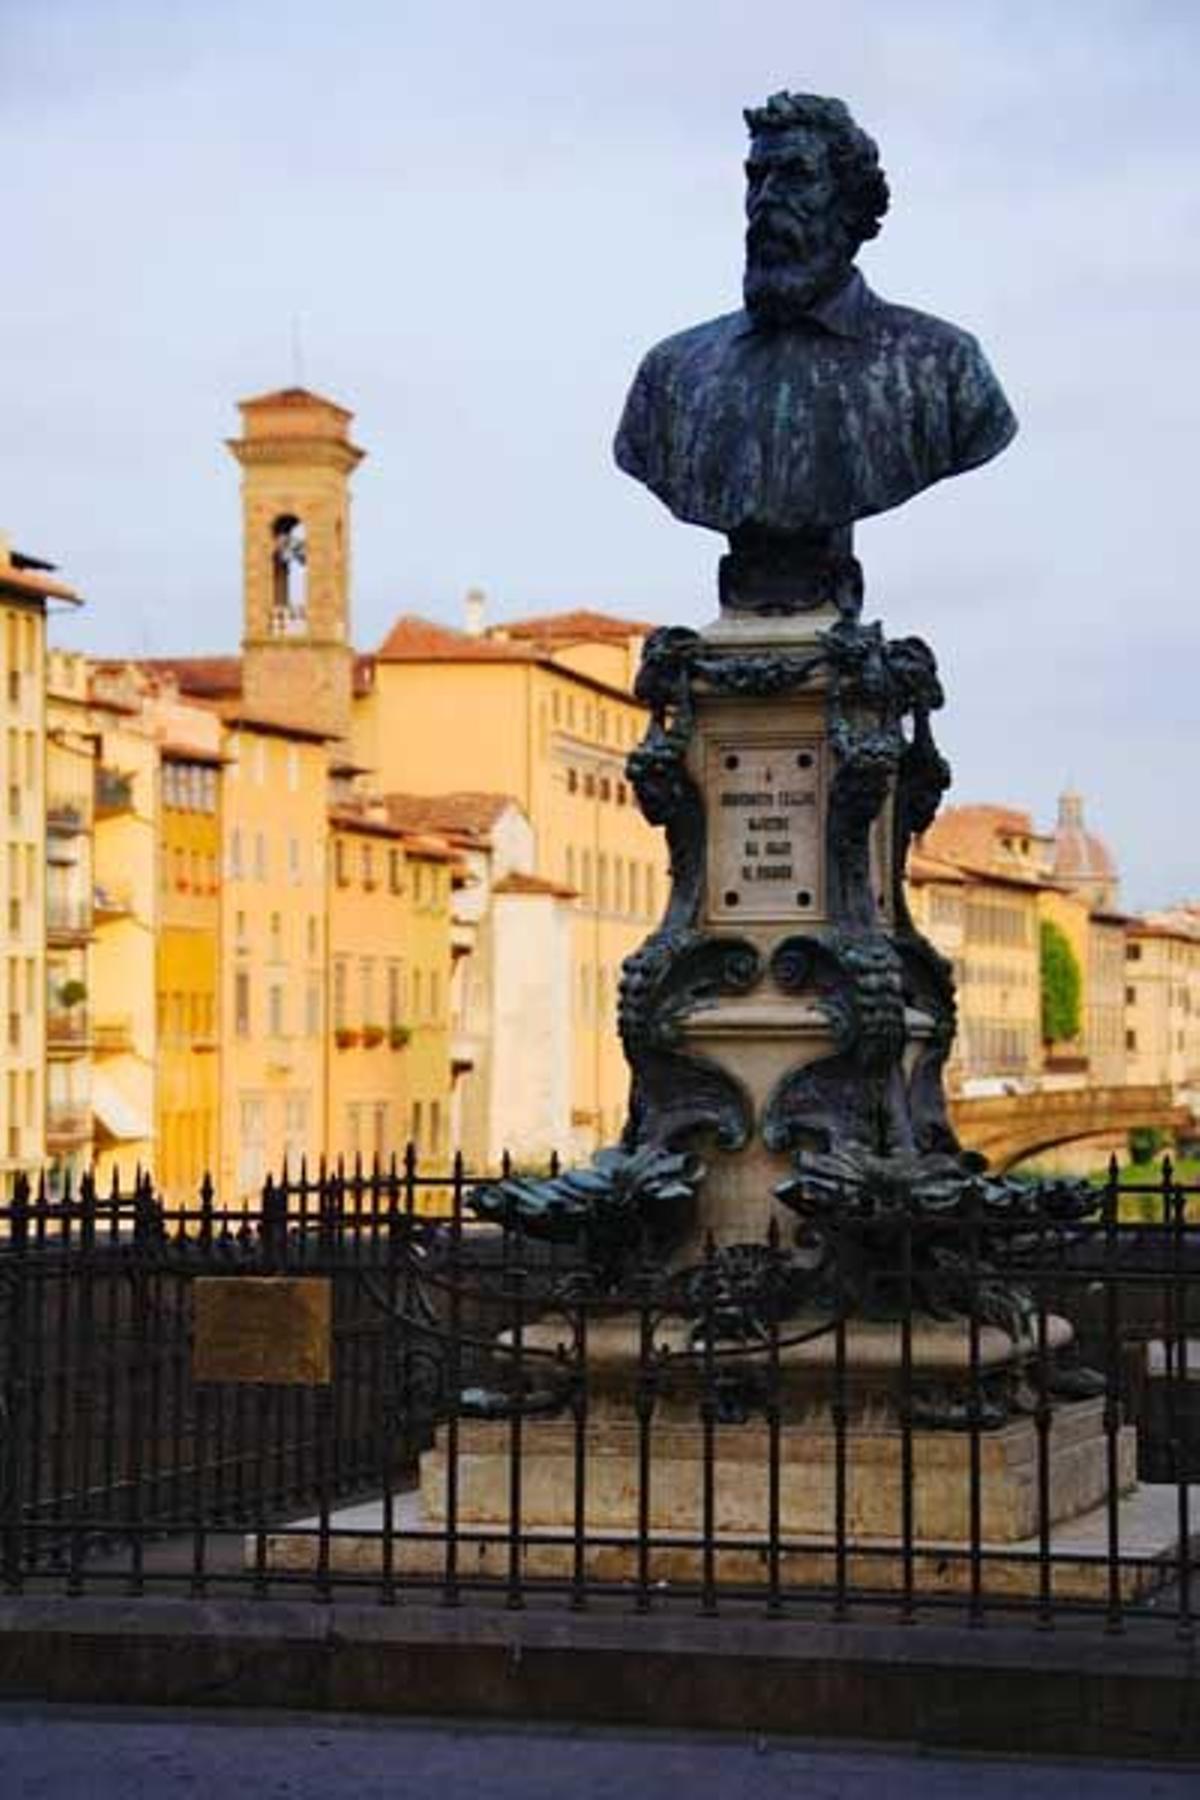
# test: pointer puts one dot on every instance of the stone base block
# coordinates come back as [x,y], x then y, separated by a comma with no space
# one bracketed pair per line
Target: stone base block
[874,1476]
[1146,1522]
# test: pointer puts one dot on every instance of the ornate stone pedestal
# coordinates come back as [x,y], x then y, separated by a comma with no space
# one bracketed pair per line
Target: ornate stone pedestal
[787,1024]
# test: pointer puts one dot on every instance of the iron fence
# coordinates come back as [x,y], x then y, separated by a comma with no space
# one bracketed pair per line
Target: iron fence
[486,1416]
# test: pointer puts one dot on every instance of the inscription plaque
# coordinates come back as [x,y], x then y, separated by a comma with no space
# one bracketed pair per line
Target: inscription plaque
[765,818]
[275,1329]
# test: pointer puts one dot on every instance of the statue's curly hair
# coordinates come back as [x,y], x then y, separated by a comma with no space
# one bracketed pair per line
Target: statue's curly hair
[862,184]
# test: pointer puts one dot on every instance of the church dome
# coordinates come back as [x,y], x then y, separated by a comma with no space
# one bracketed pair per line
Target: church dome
[1081,859]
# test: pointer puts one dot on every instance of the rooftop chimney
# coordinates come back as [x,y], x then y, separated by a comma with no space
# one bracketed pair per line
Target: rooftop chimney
[475,602]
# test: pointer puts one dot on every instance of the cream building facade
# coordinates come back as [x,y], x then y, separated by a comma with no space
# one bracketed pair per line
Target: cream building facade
[1162,974]
[510,991]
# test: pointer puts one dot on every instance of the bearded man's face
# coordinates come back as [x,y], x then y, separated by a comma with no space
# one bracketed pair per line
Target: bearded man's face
[797,246]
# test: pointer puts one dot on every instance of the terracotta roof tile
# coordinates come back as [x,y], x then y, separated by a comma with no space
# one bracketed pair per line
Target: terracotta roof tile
[31,584]
[294,396]
[932,868]
[207,677]
[577,626]
[413,639]
[971,837]
[469,813]
[515,882]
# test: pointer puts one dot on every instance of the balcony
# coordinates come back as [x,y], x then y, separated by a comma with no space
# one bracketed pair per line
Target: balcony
[68,921]
[68,1029]
[111,903]
[67,815]
[114,793]
[67,1123]
[112,1036]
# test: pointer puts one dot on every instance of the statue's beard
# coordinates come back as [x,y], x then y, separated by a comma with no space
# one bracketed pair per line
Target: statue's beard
[792,262]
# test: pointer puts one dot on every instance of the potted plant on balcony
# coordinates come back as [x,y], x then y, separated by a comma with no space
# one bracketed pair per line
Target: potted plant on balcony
[399,1036]
[72,993]
[372,1035]
[345,1037]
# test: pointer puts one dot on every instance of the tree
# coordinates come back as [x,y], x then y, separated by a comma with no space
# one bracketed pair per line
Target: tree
[1062,985]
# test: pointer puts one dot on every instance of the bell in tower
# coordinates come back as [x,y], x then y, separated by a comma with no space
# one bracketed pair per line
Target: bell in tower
[297,459]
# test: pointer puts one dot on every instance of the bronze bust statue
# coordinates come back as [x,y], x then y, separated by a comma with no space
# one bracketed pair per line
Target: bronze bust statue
[819,403]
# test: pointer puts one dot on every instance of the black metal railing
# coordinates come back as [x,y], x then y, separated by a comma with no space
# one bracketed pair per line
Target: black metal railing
[743,1427]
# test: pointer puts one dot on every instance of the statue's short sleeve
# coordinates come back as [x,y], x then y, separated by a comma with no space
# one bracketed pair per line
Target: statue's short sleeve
[983,421]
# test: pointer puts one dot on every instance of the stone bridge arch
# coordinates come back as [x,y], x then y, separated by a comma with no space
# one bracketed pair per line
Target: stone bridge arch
[1007,1128]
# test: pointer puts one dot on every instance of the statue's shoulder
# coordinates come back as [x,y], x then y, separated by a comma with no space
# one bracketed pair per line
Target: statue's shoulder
[922,331]
[702,340]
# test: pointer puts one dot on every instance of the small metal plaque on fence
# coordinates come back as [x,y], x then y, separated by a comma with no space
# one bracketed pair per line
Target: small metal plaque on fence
[263,1328]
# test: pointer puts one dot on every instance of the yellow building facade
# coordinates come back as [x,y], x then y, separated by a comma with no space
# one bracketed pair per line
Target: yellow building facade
[272,952]
[187,979]
[542,711]
[70,999]
[125,916]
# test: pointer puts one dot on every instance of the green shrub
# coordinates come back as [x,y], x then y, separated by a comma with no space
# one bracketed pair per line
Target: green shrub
[1062,986]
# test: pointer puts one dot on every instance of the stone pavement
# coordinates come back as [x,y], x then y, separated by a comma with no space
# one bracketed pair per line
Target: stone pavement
[57,1753]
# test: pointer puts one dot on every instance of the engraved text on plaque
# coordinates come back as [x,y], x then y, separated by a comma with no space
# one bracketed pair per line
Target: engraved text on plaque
[764,829]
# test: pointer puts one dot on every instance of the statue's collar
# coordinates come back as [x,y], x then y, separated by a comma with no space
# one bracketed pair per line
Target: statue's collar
[844,312]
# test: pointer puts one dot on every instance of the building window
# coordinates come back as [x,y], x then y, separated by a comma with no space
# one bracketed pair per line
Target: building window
[394,885]
[368,866]
[602,882]
[585,875]
[417,994]
[310,936]
[1131,1040]
[312,1009]
[572,781]
[366,972]
[339,993]
[235,853]
[276,951]
[241,1003]
[435,1127]
[293,769]
[395,1012]
[260,856]
[275,1009]
[570,865]
[294,861]
[380,1143]
[435,994]
[251,1160]
[417,1125]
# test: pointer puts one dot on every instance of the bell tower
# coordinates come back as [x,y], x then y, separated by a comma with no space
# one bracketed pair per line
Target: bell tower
[297,459]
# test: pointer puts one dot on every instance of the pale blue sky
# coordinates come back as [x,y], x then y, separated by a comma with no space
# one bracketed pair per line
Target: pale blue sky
[482,215]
